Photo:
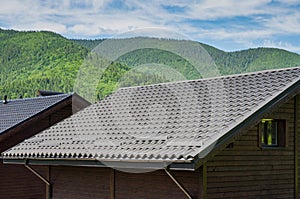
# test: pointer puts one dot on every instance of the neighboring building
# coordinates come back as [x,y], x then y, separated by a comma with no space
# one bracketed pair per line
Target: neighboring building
[19,120]
[226,137]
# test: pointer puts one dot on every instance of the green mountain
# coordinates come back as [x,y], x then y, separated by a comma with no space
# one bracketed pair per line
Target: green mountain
[37,60]
[252,59]
[44,60]
[249,60]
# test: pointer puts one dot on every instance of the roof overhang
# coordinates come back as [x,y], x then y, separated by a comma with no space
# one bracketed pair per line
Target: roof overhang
[253,119]
[111,164]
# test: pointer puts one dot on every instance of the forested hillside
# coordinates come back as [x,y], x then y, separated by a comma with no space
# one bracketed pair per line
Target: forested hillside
[249,60]
[37,60]
[44,60]
[253,60]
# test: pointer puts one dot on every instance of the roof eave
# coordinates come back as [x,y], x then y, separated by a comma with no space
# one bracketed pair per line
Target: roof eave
[180,165]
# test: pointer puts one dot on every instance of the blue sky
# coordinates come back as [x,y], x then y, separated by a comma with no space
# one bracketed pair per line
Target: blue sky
[226,24]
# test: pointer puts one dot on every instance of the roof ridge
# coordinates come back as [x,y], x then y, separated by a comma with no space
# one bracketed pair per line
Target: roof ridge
[40,97]
[213,78]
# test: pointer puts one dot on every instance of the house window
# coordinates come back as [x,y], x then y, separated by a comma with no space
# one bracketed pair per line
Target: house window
[273,133]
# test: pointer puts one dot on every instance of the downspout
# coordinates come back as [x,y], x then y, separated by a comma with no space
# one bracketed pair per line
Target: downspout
[178,184]
[296,139]
[48,194]
[204,181]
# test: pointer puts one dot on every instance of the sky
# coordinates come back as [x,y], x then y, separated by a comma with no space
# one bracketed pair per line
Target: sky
[229,25]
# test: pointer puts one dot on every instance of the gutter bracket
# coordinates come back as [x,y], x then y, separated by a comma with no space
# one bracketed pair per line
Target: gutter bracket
[48,192]
[37,174]
[178,184]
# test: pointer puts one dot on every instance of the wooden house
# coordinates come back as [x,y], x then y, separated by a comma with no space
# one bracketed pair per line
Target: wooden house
[226,137]
[21,119]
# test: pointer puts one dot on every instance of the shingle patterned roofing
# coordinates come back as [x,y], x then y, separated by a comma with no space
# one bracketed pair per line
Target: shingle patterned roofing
[18,110]
[162,122]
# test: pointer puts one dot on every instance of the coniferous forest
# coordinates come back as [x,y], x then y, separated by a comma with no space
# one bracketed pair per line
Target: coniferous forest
[31,61]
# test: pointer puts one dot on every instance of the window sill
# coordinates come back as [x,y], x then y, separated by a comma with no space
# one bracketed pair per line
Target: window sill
[273,148]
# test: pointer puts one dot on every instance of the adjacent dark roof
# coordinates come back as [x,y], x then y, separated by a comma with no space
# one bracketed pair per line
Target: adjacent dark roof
[171,122]
[18,111]
[47,93]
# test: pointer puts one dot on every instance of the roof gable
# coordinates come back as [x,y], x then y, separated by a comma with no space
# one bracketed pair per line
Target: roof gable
[172,122]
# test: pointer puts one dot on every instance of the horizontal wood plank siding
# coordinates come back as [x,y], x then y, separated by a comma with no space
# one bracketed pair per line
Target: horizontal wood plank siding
[18,182]
[156,185]
[248,171]
[298,133]
[90,183]
[80,182]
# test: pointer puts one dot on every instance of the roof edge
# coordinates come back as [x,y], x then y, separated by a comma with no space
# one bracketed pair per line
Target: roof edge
[281,98]
[68,97]
[79,103]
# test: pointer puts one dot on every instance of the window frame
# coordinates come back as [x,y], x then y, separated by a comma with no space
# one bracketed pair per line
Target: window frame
[282,138]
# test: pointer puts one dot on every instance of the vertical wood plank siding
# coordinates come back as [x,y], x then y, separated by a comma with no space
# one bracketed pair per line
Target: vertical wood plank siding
[248,171]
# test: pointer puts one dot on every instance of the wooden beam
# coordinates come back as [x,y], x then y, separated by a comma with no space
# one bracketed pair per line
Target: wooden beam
[49,187]
[204,181]
[296,140]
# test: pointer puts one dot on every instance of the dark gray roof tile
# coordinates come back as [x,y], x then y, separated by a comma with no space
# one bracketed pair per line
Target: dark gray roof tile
[17,111]
[162,122]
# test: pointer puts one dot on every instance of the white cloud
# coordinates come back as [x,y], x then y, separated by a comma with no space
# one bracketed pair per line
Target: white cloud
[288,23]
[49,26]
[209,10]
[237,35]
[288,2]
[89,18]
[281,45]
[108,26]
[14,7]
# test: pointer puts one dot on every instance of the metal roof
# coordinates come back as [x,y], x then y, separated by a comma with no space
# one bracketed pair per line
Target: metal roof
[17,111]
[170,122]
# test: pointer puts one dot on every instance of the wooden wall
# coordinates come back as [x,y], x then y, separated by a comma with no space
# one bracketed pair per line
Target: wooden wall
[156,185]
[298,147]
[90,182]
[16,181]
[80,182]
[248,171]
